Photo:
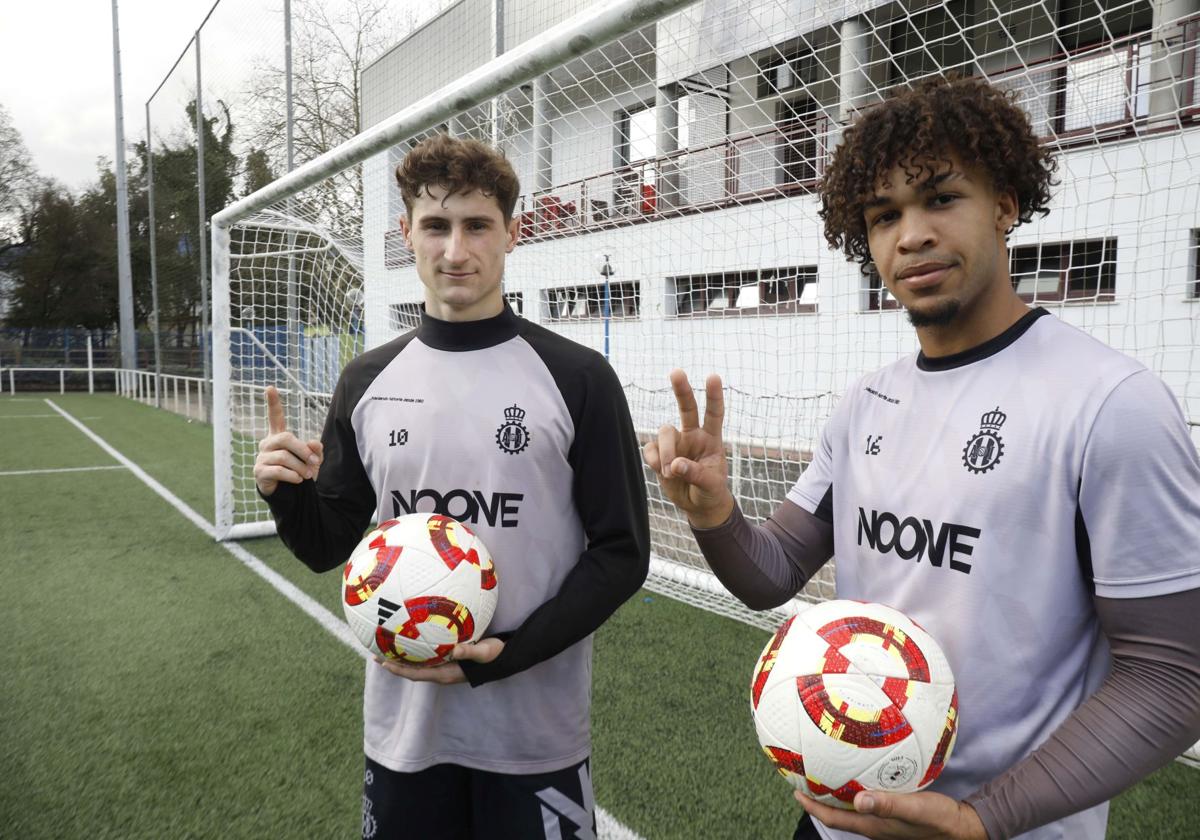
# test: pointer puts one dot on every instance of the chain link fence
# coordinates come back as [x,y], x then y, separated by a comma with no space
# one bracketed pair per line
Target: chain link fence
[261,87]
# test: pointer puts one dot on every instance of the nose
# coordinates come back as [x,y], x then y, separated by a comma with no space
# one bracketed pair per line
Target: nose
[456,246]
[916,232]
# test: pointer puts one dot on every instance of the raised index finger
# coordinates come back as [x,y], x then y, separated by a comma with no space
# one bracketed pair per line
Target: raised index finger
[276,422]
[714,405]
[689,414]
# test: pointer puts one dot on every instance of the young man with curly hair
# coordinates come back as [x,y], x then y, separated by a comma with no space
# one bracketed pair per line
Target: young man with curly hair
[479,415]
[1032,498]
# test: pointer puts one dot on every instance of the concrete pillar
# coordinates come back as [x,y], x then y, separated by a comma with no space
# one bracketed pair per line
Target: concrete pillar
[1166,51]
[543,135]
[666,111]
[854,81]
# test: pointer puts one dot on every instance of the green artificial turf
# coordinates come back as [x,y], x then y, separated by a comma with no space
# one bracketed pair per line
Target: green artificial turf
[153,686]
[675,751]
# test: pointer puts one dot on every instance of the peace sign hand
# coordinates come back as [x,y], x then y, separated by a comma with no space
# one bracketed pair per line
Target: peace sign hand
[690,461]
[281,455]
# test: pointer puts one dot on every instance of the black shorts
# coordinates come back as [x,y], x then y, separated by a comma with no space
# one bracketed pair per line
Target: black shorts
[451,802]
[805,830]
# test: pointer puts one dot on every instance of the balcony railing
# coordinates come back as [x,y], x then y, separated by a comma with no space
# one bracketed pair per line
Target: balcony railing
[740,169]
[1094,94]
[1102,91]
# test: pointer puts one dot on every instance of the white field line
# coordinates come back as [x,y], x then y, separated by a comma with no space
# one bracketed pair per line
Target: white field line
[61,470]
[608,828]
[41,417]
[289,590]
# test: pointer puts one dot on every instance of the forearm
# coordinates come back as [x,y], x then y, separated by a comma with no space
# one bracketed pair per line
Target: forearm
[607,574]
[1145,714]
[765,565]
[321,533]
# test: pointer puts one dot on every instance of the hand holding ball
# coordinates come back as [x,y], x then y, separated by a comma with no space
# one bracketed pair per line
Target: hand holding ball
[850,696]
[416,586]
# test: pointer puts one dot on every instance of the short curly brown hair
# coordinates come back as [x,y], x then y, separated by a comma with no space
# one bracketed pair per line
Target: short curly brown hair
[915,130]
[458,165]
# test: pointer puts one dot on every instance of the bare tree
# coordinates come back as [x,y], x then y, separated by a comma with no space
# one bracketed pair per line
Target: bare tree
[332,44]
[19,184]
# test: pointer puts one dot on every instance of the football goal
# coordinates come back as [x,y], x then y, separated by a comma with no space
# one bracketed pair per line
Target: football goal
[668,154]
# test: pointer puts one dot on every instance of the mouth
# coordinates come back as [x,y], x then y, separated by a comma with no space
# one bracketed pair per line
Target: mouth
[456,275]
[923,275]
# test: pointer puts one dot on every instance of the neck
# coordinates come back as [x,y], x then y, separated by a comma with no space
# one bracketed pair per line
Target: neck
[488,307]
[983,320]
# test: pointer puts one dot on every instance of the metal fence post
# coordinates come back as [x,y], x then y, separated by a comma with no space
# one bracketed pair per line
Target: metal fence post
[200,128]
[295,340]
[153,254]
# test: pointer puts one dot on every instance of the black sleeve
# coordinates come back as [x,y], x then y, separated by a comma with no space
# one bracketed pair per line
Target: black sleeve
[1145,713]
[322,521]
[610,495]
[765,565]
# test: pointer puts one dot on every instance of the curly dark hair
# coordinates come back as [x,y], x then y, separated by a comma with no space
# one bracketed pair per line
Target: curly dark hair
[915,130]
[458,166]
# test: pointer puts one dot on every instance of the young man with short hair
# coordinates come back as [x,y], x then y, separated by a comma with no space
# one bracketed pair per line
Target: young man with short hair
[1062,470]
[525,436]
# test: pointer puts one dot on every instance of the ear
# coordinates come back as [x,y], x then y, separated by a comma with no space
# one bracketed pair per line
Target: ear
[1008,209]
[406,230]
[514,233]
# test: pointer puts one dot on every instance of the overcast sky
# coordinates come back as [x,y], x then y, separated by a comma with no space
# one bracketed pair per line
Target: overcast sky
[56,73]
[56,67]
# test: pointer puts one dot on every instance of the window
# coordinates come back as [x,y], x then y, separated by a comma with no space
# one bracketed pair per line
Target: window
[1085,270]
[635,191]
[768,291]
[405,316]
[781,71]
[877,294]
[796,119]
[517,301]
[637,131]
[1081,23]
[1100,86]
[586,303]
[930,42]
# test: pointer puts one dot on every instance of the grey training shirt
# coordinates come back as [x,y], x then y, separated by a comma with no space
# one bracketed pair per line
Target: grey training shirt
[525,436]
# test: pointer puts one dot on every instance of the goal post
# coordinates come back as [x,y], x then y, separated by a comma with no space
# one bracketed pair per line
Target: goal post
[668,154]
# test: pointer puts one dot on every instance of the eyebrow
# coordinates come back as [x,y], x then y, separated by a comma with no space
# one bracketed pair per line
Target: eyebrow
[468,220]
[928,185]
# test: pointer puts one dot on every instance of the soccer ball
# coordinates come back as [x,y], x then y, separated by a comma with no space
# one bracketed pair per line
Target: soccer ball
[851,696]
[417,586]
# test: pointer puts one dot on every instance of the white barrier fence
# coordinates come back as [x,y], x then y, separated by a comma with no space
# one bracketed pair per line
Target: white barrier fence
[190,396]
[9,375]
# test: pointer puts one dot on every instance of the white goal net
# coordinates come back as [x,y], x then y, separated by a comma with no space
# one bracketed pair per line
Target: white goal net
[681,144]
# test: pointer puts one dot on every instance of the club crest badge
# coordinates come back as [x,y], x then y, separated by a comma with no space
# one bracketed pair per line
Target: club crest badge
[512,436]
[984,449]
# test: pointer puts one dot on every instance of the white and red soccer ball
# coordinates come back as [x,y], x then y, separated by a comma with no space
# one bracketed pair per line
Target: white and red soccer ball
[851,696]
[416,586]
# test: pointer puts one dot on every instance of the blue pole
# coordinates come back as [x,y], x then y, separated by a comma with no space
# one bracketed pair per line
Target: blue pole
[607,312]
